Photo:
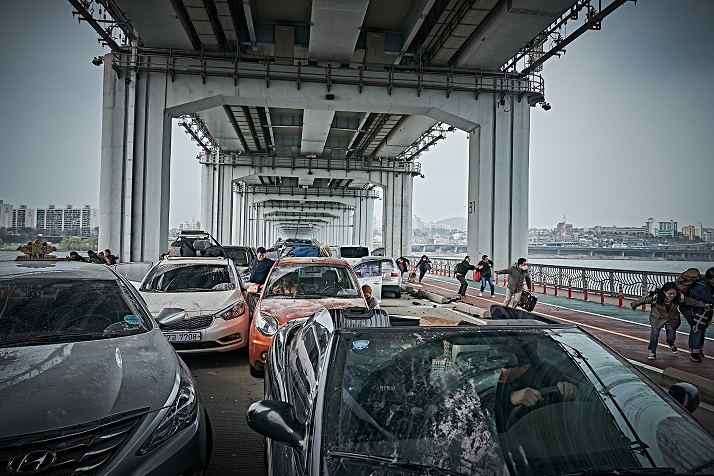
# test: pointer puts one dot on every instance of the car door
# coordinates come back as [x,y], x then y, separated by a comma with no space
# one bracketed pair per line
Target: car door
[370,272]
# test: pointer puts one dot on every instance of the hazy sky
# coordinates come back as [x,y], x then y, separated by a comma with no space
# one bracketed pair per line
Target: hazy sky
[630,134]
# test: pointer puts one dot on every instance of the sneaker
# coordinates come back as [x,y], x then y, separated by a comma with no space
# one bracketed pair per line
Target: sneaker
[480,294]
[493,295]
[696,358]
[673,348]
[652,356]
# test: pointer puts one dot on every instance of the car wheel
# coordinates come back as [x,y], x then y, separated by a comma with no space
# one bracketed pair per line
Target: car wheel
[256,373]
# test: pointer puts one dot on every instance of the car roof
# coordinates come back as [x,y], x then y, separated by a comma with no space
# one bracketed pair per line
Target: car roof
[60,269]
[193,260]
[313,260]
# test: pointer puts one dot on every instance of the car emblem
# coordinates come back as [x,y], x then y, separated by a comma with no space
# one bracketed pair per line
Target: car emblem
[32,462]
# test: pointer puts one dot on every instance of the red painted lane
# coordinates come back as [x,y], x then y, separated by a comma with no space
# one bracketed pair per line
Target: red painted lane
[629,339]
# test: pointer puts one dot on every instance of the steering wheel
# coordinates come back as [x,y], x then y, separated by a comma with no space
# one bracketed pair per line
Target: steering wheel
[548,394]
[332,288]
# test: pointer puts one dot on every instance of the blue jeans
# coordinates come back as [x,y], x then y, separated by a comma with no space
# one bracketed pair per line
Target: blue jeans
[670,335]
[696,339]
[486,279]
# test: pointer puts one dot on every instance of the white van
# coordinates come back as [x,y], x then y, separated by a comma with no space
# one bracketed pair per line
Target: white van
[353,253]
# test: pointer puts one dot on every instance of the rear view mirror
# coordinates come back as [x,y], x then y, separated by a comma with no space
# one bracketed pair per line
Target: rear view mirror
[170,316]
[275,420]
[686,394]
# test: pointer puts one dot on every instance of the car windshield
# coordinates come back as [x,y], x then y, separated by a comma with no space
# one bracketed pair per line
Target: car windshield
[238,255]
[41,310]
[353,252]
[188,277]
[455,400]
[311,280]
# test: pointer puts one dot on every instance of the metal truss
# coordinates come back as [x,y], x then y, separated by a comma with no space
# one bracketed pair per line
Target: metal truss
[435,133]
[309,164]
[198,131]
[553,40]
[310,191]
[107,19]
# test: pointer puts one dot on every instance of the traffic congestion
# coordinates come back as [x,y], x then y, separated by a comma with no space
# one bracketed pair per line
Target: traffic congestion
[191,369]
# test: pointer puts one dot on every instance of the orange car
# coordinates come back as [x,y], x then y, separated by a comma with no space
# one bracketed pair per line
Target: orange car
[297,287]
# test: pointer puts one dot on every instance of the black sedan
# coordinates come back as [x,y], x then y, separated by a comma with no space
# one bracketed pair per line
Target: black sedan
[88,383]
[350,393]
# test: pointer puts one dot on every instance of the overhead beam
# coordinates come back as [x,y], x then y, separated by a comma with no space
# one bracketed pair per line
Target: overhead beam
[335,26]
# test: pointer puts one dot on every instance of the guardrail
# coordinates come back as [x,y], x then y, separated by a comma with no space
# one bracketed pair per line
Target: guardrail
[610,282]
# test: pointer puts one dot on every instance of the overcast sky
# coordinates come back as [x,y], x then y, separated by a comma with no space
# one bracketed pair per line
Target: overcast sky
[630,134]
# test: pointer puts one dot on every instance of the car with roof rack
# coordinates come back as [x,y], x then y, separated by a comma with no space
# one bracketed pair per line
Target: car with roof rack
[210,290]
[359,392]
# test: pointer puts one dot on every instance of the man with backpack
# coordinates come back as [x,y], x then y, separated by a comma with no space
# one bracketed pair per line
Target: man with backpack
[461,269]
[700,288]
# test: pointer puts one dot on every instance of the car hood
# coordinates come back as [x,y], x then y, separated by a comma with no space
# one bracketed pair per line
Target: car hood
[46,387]
[286,309]
[195,304]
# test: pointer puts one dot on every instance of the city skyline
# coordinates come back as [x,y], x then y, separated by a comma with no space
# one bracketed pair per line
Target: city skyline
[613,147]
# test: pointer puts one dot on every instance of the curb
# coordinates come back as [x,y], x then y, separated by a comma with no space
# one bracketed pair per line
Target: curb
[473,310]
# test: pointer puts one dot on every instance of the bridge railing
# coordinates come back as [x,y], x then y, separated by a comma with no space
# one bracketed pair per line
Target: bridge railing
[611,282]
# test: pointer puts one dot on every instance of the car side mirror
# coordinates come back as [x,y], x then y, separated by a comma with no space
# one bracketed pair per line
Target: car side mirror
[275,420]
[686,394]
[170,316]
[254,288]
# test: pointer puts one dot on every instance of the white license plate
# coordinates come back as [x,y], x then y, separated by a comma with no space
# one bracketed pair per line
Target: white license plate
[184,337]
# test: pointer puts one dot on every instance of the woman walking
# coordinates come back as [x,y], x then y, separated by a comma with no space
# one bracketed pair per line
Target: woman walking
[664,312]
[424,265]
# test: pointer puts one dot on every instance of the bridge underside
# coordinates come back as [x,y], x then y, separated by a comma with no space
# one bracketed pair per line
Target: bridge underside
[297,101]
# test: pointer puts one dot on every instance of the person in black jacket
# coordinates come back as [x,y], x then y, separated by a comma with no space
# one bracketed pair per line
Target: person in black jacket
[461,269]
[261,267]
[485,265]
[424,265]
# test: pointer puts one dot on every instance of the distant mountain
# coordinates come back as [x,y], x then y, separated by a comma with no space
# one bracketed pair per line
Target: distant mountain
[457,223]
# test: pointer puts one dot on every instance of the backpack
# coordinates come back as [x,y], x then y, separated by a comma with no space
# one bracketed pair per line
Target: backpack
[686,279]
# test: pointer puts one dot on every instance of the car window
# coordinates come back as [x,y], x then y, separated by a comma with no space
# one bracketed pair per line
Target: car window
[239,256]
[367,269]
[445,399]
[49,310]
[311,280]
[188,277]
[353,252]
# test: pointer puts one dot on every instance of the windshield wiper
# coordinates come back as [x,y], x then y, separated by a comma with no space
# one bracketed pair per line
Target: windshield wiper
[49,339]
[427,469]
[620,472]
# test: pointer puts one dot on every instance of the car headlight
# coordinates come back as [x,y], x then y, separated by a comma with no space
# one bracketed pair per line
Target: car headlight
[231,312]
[181,414]
[266,324]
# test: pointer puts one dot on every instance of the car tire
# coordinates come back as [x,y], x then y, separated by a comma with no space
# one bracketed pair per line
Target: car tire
[256,373]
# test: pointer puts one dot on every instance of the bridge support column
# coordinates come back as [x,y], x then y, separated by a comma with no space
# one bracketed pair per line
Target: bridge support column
[397,224]
[498,180]
[135,165]
[363,226]
[217,201]
[238,219]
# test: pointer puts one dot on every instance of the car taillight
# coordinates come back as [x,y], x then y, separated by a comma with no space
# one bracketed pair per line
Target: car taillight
[395,274]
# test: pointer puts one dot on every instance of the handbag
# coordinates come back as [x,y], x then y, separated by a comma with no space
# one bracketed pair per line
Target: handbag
[477,275]
[427,266]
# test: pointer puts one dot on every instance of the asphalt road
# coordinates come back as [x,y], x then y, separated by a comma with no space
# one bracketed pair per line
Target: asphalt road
[227,389]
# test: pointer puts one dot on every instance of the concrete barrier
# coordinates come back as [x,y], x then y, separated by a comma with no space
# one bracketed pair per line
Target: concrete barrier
[670,376]
[473,310]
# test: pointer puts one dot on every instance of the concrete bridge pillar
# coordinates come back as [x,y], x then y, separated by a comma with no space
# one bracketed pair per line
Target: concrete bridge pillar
[498,180]
[135,165]
[217,200]
[397,225]
[238,219]
[363,225]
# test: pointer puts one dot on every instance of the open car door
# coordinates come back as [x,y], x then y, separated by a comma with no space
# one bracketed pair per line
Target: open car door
[370,272]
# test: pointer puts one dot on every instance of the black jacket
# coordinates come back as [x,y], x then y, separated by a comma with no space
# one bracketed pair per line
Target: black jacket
[487,266]
[259,270]
[464,267]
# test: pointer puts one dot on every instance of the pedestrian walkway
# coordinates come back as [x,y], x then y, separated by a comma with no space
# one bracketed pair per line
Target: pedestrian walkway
[624,330]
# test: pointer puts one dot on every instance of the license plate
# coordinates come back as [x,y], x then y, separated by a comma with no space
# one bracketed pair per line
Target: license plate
[184,337]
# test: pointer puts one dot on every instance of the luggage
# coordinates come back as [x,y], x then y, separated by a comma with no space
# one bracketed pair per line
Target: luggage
[528,300]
